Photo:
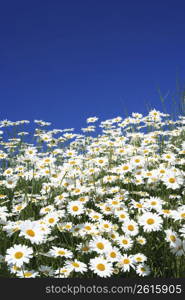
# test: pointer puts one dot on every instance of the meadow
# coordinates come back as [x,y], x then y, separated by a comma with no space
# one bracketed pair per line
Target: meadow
[106,202]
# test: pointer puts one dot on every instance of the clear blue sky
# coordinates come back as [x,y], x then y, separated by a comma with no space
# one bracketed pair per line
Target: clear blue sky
[65,60]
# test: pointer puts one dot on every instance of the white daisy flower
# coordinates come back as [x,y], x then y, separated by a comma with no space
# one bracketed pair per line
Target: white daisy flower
[32,231]
[141,240]
[101,161]
[166,213]
[88,228]
[11,182]
[113,254]
[179,214]
[18,255]
[101,266]
[27,274]
[153,203]
[76,266]
[150,221]
[100,245]
[172,180]
[47,209]
[143,270]
[125,242]
[19,207]
[178,248]
[84,248]
[46,270]
[139,258]
[75,208]
[14,269]
[137,161]
[126,262]
[171,236]
[63,272]
[122,215]
[91,119]
[51,218]
[105,226]
[8,172]
[95,216]
[60,252]
[130,227]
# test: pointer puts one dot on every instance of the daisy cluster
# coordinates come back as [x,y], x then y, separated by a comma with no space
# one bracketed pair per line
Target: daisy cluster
[79,205]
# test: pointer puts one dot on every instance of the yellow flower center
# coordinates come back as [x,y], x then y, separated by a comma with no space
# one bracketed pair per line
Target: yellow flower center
[75,208]
[140,241]
[150,221]
[68,226]
[162,171]
[75,264]
[47,209]
[114,202]
[85,249]
[166,211]
[125,242]
[125,168]
[61,252]
[88,227]
[113,254]
[126,261]
[137,160]
[27,274]
[130,227]
[172,238]
[18,255]
[51,220]
[101,267]
[183,215]
[121,150]
[100,246]
[16,268]
[172,180]
[139,259]
[96,217]
[82,199]
[30,232]
[19,207]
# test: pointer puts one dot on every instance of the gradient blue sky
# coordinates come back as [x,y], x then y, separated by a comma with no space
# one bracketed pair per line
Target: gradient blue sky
[66,60]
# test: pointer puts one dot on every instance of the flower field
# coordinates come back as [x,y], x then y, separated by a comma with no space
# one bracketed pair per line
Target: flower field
[106,202]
